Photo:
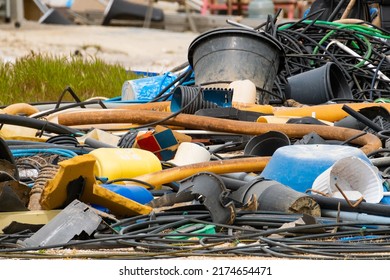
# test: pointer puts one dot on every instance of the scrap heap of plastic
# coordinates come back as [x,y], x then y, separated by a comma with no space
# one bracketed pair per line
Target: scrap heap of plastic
[280,151]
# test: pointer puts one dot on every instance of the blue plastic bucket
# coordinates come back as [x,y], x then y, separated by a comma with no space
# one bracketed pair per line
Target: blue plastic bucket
[297,166]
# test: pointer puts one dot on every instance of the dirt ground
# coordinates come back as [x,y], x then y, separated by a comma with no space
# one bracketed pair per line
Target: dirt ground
[138,49]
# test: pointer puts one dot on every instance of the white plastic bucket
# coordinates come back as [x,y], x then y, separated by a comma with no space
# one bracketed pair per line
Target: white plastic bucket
[354,177]
[190,153]
[244,92]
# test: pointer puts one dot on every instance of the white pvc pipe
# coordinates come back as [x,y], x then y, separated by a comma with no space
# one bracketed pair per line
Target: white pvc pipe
[353,216]
[383,161]
[355,54]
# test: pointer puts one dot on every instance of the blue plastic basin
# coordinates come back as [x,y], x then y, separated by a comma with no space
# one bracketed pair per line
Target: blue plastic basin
[297,166]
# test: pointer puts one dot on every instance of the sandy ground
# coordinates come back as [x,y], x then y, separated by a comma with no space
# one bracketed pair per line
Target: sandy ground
[135,48]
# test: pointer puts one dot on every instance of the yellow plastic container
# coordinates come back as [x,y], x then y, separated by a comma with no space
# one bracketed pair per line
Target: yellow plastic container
[116,163]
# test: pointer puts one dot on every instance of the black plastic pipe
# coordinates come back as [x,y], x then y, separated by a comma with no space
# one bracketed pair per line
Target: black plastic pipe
[360,117]
[363,207]
[336,10]
[97,144]
[37,124]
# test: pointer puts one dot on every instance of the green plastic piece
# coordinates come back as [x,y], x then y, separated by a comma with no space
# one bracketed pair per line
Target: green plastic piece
[193,229]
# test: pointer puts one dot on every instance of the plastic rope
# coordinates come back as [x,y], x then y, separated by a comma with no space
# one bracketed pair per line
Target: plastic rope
[30,152]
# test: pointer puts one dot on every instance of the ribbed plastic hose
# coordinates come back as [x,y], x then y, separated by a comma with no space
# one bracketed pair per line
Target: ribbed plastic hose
[189,100]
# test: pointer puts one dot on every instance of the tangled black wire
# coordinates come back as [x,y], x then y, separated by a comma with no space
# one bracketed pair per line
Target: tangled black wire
[360,50]
[256,233]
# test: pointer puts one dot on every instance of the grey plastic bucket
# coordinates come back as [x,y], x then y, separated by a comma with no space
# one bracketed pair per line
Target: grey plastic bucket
[224,55]
[319,85]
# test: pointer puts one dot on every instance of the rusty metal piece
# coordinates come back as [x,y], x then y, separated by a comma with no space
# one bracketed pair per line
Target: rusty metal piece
[353,205]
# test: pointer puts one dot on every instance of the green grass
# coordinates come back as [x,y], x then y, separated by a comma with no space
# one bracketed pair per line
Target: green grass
[42,78]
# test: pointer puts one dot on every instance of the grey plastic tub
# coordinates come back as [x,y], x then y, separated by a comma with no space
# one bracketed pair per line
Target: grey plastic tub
[221,56]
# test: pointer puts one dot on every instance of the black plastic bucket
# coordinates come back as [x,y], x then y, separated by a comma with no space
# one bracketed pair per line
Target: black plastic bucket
[221,56]
[319,85]
[266,144]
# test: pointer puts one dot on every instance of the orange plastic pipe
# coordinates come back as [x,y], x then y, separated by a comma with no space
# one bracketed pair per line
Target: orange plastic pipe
[159,178]
[329,112]
[20,108]
[369,142]
[163,106]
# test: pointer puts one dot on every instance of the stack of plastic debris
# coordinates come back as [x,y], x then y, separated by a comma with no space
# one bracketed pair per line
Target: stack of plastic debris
[274,144]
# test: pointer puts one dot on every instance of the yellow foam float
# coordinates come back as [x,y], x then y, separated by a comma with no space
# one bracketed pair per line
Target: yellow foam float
[55,193]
